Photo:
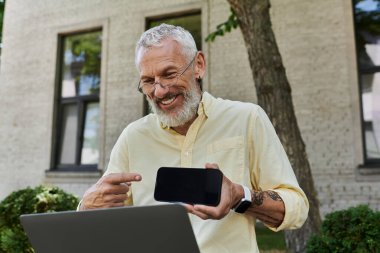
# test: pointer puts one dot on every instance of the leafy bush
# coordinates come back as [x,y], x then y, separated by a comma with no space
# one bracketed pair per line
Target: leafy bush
[41,199]
[356,229]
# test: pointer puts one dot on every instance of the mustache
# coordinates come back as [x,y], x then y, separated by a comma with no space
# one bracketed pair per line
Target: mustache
[169,95]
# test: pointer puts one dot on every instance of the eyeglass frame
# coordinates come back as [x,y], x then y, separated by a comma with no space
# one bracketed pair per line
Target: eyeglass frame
[140,89]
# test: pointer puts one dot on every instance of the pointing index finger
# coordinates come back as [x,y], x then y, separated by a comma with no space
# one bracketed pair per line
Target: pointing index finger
[118,178]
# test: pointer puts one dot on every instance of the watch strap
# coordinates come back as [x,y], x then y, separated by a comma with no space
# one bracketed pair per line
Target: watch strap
[247,193]
[245,202]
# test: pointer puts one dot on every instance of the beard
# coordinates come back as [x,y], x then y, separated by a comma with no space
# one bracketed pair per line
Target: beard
[178,116]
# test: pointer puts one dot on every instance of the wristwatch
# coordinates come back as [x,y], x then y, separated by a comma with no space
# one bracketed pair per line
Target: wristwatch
[245,202]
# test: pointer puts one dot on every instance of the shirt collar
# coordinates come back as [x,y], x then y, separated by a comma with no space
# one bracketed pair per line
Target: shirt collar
[205,104]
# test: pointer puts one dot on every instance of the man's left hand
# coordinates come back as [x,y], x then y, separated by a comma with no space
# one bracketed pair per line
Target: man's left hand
[230,195]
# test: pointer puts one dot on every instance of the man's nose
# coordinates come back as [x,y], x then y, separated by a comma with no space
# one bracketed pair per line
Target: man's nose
[160,90]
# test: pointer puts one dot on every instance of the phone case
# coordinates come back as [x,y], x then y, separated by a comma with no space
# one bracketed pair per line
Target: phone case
[188,185]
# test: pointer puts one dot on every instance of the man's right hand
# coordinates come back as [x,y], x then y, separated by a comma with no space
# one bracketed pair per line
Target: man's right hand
[110,191]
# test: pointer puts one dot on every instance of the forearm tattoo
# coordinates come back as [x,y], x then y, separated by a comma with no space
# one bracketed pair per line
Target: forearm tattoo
[258,197]
[274,195]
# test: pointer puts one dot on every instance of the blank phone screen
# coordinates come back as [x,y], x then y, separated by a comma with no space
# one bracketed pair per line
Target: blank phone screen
[188,185]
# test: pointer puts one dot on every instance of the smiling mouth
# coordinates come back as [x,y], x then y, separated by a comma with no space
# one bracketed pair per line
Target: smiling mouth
[168,101]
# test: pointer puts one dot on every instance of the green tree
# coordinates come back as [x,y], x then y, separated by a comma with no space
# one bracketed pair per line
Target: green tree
[274,95]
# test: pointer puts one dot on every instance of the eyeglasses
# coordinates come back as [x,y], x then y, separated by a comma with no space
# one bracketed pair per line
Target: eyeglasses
[166,81]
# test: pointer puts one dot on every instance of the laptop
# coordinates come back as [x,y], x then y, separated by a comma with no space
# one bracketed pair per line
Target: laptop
[161,228]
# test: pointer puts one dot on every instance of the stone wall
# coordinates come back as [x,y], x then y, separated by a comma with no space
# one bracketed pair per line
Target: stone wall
[316,41]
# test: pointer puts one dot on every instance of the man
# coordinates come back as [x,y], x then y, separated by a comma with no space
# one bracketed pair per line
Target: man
[190,128]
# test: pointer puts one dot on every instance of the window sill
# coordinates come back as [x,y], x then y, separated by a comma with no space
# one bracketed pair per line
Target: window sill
[368,173]
[56,177]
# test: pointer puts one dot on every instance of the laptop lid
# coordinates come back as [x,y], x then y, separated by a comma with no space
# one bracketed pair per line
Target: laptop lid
[161,228]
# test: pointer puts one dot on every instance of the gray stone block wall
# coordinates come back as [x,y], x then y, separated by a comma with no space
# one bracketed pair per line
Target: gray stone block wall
[315,39]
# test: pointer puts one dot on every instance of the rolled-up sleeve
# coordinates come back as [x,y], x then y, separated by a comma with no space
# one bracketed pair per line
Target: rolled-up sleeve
[296,208]
[271,170]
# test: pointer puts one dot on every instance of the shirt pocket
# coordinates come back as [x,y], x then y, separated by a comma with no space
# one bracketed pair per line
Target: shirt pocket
[228,153]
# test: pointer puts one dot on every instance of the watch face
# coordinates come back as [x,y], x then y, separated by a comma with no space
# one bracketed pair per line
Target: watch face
[243,206]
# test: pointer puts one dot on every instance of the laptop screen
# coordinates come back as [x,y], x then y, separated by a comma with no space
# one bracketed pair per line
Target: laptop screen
[161,228]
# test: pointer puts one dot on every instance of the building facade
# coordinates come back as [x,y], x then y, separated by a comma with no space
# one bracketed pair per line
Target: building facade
[68,87]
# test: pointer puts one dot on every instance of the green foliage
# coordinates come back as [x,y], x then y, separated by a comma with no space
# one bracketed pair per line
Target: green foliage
[367,22]
[88,46]
[267,240]
[41,199]
[14,240]
[227,26]
[356,229]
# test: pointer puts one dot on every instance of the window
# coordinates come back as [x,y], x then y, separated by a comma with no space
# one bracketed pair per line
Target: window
[190,21]
[77,119]
[367,27]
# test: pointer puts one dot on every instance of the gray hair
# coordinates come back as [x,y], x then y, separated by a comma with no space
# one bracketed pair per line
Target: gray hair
[154,36]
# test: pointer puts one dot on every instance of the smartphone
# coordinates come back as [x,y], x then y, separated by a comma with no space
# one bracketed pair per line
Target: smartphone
[188,185]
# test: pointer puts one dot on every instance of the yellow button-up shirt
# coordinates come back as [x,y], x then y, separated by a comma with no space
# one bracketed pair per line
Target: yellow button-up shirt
[237,136]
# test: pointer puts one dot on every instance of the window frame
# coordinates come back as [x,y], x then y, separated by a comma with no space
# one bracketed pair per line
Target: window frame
[367,162]
[80,101]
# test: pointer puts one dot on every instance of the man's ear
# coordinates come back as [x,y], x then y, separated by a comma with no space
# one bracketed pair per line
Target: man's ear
[200,65]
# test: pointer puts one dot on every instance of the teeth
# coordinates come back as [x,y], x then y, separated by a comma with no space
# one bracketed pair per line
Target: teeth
[167,101]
